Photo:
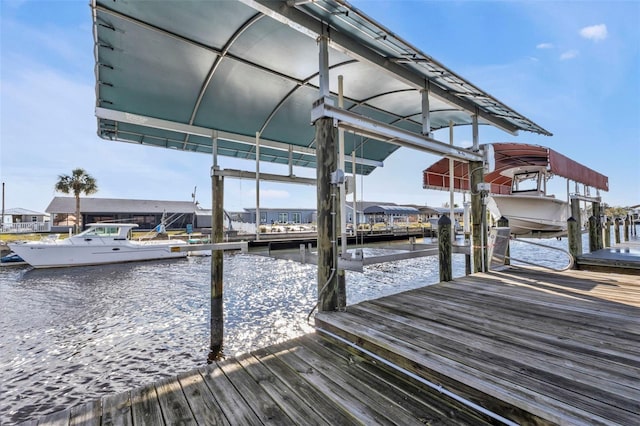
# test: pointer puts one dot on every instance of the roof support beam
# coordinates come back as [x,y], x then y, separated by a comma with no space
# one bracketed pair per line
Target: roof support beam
[270,177]
[351,121]
[157,123]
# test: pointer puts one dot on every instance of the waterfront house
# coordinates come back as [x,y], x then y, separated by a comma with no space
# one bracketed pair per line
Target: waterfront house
[24,220]
[146,213]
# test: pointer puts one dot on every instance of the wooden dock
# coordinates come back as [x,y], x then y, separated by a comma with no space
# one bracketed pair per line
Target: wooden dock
[529,346]
[623,258]
[533,346]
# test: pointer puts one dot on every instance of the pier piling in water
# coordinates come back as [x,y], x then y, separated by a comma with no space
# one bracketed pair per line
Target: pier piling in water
[444,248]
[217,263]
[575,238]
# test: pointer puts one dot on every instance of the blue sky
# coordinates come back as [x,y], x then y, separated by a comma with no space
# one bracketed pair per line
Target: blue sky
[573,67]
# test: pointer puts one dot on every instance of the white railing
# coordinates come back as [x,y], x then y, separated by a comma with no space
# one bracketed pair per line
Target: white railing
[25,227]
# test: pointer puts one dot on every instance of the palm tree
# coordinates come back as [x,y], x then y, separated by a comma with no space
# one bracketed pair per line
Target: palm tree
[79,182]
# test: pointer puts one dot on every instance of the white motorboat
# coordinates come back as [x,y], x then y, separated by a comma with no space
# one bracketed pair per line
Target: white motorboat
[530,211]
[517,175]
[100,243]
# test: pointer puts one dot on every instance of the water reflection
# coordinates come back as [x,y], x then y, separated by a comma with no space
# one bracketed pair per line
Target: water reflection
[71,335]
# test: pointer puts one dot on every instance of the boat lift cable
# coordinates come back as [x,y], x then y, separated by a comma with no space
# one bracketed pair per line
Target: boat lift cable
[420,379]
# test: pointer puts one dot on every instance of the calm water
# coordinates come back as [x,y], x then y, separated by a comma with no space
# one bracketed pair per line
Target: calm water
[72,335]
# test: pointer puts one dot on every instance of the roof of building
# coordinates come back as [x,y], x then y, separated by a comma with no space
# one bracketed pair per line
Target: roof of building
[23,212]
[118,205]
[389,209]
[177,74]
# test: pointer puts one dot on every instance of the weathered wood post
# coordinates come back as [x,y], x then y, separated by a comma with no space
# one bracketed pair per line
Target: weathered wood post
[616,230]
[607,233]
[327,259]
[575,239]
[627,225]
[217,224]
[503,222]
[444,248]
[597,213]
[478,231]
[593,234]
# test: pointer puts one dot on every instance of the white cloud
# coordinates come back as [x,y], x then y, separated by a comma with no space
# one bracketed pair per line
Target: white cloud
[569,54]
[544,46]
[594,32]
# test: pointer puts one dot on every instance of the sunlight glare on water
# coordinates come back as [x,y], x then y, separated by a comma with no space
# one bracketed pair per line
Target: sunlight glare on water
[71,335]
[75,334]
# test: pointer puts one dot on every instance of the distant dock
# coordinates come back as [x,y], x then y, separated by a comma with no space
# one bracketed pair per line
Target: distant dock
[519,346]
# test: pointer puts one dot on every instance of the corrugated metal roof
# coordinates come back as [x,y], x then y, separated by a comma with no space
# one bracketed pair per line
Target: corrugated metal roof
[170,73]
[118,205]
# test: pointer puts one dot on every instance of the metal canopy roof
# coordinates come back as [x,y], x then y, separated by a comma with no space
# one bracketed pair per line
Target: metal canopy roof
[169,73]
[509,156]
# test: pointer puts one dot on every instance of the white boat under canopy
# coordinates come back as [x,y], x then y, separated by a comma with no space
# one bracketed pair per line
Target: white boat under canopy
[100,243]
[518,175]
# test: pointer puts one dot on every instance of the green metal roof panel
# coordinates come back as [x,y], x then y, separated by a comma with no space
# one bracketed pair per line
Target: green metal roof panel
[247,66]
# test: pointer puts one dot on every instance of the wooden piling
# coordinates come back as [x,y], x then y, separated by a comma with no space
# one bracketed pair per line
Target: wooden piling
[444,248]
[326,157]
[476,173]
[616,231]
[503,222]
[627,225]
[607,233]
[593,234]
[597,213]
[217,224]
[575,239]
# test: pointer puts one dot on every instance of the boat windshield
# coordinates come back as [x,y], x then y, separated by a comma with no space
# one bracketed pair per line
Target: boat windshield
[101,231]
[525,182]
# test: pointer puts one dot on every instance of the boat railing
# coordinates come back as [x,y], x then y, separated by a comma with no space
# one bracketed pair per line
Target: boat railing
[509,257]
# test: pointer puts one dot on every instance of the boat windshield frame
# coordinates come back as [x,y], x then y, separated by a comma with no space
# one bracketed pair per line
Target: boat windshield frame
[530,177]
[105,231]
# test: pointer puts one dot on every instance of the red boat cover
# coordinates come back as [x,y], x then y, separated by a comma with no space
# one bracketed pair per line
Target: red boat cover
[507,156]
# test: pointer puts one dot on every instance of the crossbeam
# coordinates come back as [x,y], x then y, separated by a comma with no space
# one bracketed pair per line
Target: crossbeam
[368,127]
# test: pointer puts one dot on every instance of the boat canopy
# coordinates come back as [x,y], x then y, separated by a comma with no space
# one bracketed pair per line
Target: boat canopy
[505,156]
[181,74]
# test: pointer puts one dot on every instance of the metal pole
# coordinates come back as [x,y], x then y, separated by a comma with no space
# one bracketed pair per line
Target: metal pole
[341,166]
[257,186]
[451,199]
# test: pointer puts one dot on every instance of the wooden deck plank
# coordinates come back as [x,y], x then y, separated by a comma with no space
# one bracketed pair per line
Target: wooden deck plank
[538,341]
[319,401]
[116,410]
[203,404]
[587,393]
[87,414]
[442,409]
[262,404]
[392,391]
[293,405]
[59,418]
[173,403]
[482,318]
[233,405]
[515,341]
[341,396]
[145,407]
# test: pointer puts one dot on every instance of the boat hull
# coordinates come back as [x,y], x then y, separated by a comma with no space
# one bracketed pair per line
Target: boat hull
[531,215]
[57,255]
